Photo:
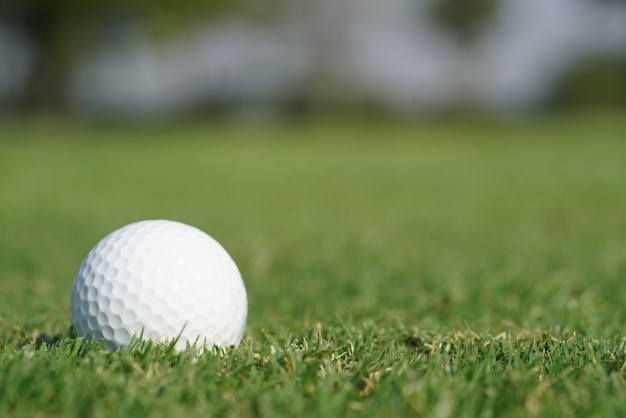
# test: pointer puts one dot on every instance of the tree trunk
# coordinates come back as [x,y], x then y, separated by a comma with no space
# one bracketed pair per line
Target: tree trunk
[56,40]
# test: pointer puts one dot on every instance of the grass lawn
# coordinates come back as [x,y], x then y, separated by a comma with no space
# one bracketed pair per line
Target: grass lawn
[429,268]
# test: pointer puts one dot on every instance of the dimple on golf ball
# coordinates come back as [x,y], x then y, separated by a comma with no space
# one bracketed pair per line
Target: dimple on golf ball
[160,280]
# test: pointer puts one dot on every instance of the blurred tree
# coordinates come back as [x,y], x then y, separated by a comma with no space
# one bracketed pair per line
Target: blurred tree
[59,31]
[466,19]
[465,22]
[596,81]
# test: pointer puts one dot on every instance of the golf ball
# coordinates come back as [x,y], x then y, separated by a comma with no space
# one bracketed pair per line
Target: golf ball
[160,280]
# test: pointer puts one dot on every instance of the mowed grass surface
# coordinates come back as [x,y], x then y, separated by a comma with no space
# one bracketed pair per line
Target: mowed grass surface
[441,268]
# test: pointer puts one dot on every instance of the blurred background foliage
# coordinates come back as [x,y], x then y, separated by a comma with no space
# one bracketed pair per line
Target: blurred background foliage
[466,20]
[60,31]
[167,58]
[593,81]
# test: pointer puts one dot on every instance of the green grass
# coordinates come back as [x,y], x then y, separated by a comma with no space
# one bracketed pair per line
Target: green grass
[434,268]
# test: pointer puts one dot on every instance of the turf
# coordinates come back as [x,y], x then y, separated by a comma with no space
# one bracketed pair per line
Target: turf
[425,268]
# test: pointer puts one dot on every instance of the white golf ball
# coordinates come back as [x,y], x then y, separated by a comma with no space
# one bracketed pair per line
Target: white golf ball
[161,280]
